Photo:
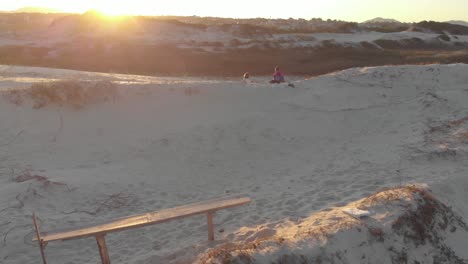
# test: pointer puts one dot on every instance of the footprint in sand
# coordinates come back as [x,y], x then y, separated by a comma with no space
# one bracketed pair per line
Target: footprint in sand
[288,213]
[369,188]
[255,188]
[326,198]
[291,202]
[254,218]
[261,202]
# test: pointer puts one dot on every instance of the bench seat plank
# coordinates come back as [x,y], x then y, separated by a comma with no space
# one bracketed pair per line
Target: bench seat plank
[147,219]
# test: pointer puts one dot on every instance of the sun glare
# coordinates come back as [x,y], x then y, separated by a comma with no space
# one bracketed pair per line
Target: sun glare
[104,7]
[116,8]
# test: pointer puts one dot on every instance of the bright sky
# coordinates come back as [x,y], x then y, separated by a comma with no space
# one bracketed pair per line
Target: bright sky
[349,10]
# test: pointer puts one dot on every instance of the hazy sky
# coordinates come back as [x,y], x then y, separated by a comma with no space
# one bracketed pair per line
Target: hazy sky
[350,10]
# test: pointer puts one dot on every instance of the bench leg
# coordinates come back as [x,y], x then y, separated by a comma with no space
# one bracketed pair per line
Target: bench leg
[101,242]
[209,217]
[41,242]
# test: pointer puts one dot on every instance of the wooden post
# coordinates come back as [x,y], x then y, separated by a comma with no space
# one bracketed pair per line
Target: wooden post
[39,239]
[101,242]
[209,216]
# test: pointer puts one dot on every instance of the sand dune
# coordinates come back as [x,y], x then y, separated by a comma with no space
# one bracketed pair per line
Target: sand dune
[164,142]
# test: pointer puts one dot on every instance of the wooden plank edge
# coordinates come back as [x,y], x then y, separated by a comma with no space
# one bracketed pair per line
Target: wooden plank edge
[39,239]
[46,237]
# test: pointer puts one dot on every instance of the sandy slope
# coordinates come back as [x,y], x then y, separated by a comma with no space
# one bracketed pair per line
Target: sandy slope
[398,225]
[168,141]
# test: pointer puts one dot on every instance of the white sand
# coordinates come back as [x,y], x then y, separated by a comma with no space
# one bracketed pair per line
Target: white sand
[170,141]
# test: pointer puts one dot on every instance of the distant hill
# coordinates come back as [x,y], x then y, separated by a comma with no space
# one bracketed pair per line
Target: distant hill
[384,25]
[35,9]
[381,20]
[458,22]
[439,28]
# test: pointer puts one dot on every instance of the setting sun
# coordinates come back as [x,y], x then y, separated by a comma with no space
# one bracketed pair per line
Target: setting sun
[106,7]
[113,8]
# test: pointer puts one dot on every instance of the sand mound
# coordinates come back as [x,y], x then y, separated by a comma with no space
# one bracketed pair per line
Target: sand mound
[401,225]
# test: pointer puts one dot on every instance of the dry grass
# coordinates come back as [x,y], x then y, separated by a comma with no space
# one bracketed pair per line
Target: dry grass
[454,128]
[14,96]
[191,91]
[68,93]
[458,122]
[418,225]
[462,136]
[388,195]
[27,176]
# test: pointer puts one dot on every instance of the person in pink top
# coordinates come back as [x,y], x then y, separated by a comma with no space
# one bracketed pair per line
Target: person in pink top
[278,77]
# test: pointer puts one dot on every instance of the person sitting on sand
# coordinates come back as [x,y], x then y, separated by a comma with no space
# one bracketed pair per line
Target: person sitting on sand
[278,77]
[246,78]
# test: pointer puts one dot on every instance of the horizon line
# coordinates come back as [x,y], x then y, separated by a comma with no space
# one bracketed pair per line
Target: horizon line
[57,11]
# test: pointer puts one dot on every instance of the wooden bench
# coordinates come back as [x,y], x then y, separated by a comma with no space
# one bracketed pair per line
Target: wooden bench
[99,231]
